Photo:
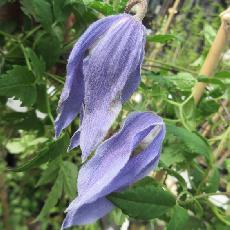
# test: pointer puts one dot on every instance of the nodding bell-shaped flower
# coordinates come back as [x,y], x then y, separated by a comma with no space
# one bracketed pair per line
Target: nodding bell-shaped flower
[116,165]
[102,73]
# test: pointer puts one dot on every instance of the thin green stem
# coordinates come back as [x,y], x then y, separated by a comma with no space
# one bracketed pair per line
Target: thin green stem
[180,68]
[25,55]
[56,78]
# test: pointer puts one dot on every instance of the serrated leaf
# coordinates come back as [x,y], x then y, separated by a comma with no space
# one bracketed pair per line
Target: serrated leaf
[43,13]
[179,218]
[183,81]
[37,64]
[101,7]
[50,173]
[49,47]
[191,140]
[41,10]
[172,155]
[60,10]
[161,38]
[19,82]
[147,201]
[69,173]
[55,149]
[53,197]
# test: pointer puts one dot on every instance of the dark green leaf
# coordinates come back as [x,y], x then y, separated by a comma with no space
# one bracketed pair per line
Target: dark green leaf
[19,82]
[55,149]
[53,196]
[37,64]
[69,174]
[146,201]
[213,181]
[48,46]
[50,173]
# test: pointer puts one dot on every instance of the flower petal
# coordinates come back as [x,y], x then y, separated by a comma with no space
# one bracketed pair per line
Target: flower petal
[73,93]
[88,213]
[113,167]
[113,61]
[134,79]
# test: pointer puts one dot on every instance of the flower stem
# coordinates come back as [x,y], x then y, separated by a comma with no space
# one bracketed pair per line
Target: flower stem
[141,9]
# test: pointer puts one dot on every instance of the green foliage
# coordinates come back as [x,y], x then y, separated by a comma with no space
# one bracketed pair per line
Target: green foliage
[49,153]
[179,219]
[146,200]
[38,177]
[19,82]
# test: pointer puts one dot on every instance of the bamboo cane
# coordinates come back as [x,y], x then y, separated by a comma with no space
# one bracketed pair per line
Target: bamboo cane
[214,54]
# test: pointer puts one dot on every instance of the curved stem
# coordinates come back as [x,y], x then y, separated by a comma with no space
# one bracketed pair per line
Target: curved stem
[141,9]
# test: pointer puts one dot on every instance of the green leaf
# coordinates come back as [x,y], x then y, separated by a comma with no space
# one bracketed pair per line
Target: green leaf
[40,9]
[161,38]
[101,7]
[53,196]
[172,155]
[213,181]
[37,64]
[59,10]
[223,75]
[208,106]
[179,218]
[50,173]
[183,81]
[55,149]
[69,173]
[41,103]
[49,47]
[43,13]
[19,82]
[147,200]
[192,141]
[211,80]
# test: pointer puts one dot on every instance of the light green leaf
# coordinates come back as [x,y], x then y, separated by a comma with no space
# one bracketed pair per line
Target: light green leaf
[172,154]
[19,82]
[183,81]
[146,200]
[161,38]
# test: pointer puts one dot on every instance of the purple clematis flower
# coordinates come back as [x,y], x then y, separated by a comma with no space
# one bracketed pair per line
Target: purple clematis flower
[102,73]
[114,166]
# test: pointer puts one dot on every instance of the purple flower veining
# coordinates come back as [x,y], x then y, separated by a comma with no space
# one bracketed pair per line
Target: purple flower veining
[102,73]
[114,166]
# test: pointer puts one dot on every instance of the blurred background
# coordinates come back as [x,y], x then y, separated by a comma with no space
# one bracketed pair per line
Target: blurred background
[38,177]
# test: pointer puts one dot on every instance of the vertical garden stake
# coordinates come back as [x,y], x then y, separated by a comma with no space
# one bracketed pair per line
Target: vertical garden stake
[214,54]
